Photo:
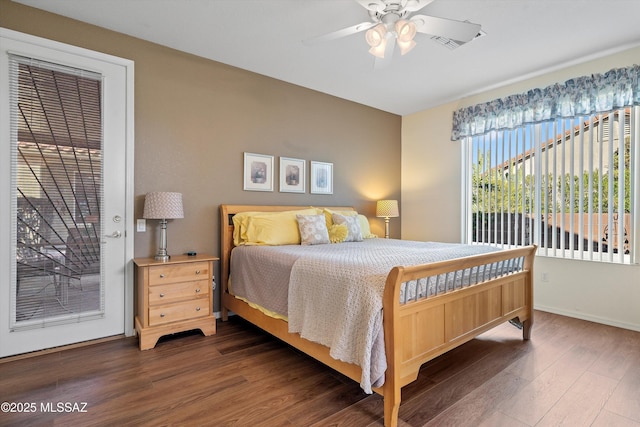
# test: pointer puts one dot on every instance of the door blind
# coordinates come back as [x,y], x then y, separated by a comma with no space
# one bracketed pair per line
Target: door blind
[56,149]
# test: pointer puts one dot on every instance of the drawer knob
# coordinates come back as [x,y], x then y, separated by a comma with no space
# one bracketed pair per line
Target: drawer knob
[161,295]
[197,308]
[161,314]
[198,291]
[197,271]
[162,276]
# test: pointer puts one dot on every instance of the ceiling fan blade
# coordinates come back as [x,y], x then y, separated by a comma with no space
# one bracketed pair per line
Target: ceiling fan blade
[448,28]
[416,5]
[363,26]
[373,5]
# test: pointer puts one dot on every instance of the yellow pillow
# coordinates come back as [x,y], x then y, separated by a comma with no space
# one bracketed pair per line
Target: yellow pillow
[268,228]
[240,221]
[338,233]
[328,215]
[365,228]
[240,226]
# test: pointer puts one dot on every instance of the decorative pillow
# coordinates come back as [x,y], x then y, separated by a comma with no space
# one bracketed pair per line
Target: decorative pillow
[353,226]
[364,227]
[313,229]
[328,213]
[268,228]
[338,233]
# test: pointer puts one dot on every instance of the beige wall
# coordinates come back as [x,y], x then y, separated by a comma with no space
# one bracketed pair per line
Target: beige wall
[194,118]
[431,181]
[431,207]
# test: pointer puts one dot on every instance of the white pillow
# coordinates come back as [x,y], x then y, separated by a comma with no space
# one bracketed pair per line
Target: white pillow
[313,229]
[353,225]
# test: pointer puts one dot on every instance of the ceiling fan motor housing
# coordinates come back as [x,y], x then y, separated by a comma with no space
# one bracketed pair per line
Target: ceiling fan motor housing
[391,13]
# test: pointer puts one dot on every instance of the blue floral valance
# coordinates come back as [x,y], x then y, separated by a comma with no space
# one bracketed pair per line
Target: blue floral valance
[585,95]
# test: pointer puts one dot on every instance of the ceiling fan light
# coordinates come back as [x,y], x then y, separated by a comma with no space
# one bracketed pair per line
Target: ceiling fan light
[405,30]
[376,35]
[405,47]
[378,51]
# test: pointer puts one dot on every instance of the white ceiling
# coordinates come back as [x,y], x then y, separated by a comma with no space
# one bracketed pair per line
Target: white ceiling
[524,38]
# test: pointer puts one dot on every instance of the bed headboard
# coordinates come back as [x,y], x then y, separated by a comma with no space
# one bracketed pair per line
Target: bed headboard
[226,229]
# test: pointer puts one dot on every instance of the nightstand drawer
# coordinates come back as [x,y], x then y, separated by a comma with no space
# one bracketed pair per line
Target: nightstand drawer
[164,294]
[163,274]
[178,311]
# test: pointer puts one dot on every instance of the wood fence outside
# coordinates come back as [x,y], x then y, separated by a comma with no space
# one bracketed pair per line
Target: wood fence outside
[518,229]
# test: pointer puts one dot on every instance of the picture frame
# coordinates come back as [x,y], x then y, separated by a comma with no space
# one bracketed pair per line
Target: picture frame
[321,178]
[292,175]
[258,172]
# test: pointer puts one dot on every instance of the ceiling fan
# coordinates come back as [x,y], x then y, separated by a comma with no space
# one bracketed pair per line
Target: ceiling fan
[393,23]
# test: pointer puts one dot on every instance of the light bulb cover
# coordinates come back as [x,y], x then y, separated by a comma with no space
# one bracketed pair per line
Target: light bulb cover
[376,35]
[378,51]
[405,30]
[405,47]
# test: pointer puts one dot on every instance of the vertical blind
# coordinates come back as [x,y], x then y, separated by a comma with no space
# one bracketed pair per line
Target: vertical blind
[56,149]
[569,186]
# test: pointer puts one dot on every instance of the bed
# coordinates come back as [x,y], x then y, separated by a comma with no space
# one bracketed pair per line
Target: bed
[486,290]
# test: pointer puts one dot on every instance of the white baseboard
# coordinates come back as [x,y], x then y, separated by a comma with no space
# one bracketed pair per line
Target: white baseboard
[588,317]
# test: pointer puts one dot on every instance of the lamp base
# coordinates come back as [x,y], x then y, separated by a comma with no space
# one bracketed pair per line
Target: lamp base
[162,250]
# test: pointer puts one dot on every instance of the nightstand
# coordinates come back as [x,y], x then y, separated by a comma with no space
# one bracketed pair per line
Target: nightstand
[173,296]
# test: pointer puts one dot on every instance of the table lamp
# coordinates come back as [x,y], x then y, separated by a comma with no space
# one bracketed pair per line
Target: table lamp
[163,206]
[387,209]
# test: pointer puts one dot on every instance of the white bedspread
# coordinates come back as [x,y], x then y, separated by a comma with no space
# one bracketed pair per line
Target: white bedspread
[335,296]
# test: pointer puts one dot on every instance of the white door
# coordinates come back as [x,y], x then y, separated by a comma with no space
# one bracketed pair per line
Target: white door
[65,172]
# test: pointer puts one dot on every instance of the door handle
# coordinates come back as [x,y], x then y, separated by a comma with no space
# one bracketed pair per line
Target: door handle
[116,234]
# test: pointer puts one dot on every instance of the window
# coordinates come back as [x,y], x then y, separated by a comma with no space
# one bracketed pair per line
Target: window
[557,167]
[565,185]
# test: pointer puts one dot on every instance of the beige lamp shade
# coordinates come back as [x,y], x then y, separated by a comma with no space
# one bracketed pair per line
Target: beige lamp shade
[387,209]
[163,205]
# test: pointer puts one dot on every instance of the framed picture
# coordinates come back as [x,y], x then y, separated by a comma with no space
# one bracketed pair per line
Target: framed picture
[321,178]
[292,175]
[258,172]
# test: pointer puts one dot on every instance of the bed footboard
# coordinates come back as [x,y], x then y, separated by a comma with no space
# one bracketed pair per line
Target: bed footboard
[422,329]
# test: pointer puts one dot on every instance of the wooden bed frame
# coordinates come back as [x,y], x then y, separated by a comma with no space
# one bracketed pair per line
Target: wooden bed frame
[415,332]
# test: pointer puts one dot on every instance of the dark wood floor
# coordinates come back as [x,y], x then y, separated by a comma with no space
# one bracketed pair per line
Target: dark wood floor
[572,373]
